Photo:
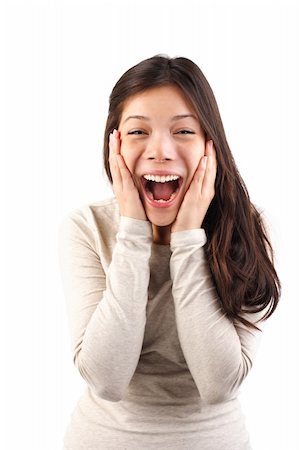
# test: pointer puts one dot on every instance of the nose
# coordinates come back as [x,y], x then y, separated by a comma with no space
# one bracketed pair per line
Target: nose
[160,148]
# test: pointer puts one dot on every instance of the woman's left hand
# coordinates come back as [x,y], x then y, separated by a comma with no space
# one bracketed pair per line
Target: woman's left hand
[200,193]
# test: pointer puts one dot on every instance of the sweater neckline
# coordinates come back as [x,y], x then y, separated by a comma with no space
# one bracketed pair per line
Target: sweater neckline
[160,248]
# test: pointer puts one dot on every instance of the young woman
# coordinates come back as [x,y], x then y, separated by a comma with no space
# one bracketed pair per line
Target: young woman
[168,284]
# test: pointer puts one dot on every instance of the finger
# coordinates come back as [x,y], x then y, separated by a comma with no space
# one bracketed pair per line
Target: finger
[115,172]
[212,160]
[208,184]
[113,143]
[204,165]
[200,171]
[124,171]
[116,177]
[116,141]
[119,158]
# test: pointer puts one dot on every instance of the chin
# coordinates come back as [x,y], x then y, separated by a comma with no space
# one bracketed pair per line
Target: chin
[161,219]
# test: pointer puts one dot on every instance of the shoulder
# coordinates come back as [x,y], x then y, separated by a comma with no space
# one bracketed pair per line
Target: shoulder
[91,221]
[93,212]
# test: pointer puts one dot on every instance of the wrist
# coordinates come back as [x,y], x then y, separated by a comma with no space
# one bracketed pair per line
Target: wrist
[135,227]
[133,214]
[131,208]
[176,229]
[195,237]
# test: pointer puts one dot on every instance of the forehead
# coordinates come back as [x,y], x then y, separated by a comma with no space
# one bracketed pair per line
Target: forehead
[156,100]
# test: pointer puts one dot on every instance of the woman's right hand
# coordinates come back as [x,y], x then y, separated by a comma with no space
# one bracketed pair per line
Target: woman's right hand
[124,188]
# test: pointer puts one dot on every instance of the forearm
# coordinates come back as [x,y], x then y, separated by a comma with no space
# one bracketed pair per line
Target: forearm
[108,344]
[211,345]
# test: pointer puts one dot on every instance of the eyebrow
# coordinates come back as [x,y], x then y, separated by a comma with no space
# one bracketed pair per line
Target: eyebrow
[178,117]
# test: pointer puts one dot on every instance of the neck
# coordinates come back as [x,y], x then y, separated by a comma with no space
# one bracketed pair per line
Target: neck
[161,235]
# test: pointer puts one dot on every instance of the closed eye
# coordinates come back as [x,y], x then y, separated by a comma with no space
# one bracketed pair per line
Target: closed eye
[140,131]
[135,131]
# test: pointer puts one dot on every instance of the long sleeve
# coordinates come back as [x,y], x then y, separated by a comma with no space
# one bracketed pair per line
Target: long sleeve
[106,311]
[218,352]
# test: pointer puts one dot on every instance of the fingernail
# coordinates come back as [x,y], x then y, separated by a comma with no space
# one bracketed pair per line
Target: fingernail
[111,136]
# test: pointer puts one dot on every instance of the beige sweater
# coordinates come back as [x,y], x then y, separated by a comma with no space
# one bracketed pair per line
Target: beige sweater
[162,362]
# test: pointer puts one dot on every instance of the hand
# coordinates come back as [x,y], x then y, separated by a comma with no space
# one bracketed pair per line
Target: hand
[200,193]
[124,188]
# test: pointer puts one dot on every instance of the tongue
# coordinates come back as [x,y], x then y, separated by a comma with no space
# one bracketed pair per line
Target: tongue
[162,190]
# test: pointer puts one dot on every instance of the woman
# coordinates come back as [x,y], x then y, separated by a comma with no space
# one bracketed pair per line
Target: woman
[168,284]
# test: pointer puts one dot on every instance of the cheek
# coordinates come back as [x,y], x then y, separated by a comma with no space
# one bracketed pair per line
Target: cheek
[130,156]
[193,162]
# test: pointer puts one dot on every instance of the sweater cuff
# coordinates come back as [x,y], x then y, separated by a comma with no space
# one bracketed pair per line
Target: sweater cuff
[135,227]
[195,236]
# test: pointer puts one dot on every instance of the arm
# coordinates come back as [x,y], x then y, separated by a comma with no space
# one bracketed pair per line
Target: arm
[107,314]
[219,354]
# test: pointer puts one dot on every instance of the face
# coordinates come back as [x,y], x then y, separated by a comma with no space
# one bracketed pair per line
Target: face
[160,144]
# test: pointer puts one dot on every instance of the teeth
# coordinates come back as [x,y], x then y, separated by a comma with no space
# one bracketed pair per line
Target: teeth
[162,179]
[150,194]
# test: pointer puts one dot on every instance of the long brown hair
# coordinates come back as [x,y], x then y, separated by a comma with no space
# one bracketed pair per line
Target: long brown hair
[238,249]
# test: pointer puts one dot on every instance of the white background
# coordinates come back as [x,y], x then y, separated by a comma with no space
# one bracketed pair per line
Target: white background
[60,61]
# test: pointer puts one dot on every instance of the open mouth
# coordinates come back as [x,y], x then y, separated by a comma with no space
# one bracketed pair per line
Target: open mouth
[161,190]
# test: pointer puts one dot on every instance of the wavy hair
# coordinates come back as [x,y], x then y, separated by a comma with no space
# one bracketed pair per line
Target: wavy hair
[238,250]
